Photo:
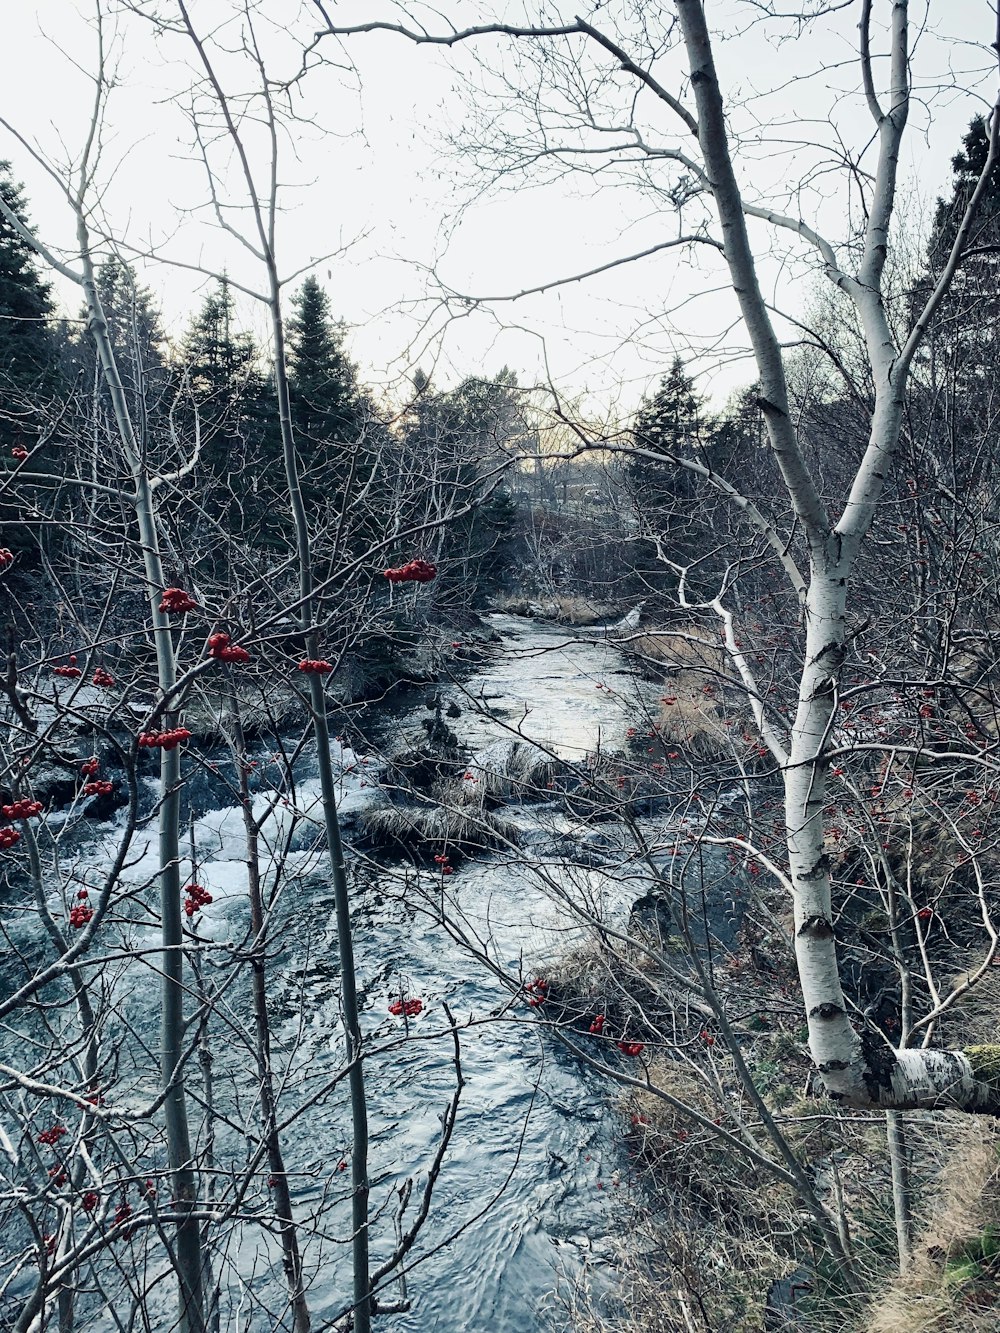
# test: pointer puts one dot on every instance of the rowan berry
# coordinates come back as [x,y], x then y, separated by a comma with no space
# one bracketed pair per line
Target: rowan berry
[415,571]
[176,601]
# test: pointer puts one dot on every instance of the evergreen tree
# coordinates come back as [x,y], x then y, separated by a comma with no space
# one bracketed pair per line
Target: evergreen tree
[28,350]
[236,416]
[967,167]
[29,369]
[328,406]
[136,333]
[136,330]
[665,496]
[670,421]
[951,395]
[341,443]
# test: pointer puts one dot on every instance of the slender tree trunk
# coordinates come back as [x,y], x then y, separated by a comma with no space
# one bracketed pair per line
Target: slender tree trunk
[278,1182]
[338,872]
[187,1240]
[902,1196]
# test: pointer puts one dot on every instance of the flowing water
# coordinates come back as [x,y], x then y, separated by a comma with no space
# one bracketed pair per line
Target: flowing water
[530,1194]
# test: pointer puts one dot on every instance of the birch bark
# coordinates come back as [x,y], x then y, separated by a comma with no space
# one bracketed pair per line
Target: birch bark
[857,1068]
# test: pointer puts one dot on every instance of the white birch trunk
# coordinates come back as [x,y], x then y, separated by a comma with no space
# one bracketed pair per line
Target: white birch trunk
[858,1069]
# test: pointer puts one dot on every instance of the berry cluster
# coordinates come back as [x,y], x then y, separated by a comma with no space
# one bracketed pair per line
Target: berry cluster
[91,767]
[89,1201]
[6,558]
[415,571]
[597,1026]
[19,452]
[536,991]
[53,1135]
[315,665]
[71,672]
[123,1212]
[80,916]
[99,787]
[442,863]
[176,601]
[57,1176]
[631,1047]
[102,677]
[408,1007]
[8,837]
[164,740]
[23,809]
[196,897]
[221,647]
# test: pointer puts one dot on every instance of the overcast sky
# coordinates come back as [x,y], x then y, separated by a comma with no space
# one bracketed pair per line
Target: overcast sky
[387,181]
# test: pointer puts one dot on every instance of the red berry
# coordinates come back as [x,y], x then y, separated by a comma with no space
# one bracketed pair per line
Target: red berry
[415,571]
[176,601]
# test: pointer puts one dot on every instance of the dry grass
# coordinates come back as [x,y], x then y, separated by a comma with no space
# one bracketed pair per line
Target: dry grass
[690,664]
[517,773]
[411,826]
[682,649]
[951,1286]
[694,724]
[566,609]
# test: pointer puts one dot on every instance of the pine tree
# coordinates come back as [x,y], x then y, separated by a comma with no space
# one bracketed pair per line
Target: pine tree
[28,351]
[236,416]
[327,405]
[339,438]
[665,496]
[951,392]
[137,337]
[135,327]
[967,167]
[30,378]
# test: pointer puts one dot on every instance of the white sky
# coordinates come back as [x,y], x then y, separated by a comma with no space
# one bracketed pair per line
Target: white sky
[373,167]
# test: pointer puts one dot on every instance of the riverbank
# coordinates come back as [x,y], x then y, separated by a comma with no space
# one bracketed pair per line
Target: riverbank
[711,1045]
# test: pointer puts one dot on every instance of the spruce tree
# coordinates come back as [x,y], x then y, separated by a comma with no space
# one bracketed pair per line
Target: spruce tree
[327,404]
[135,327]
[665,496]
[455,441]
[342,445]
[30,377]
[236,417]
[28,352]
[136,333]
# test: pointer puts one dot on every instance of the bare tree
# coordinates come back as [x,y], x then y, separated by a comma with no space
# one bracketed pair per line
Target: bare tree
[822,555]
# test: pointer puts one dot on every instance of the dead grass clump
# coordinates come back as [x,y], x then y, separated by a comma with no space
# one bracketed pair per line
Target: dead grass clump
[432,827]
[951,1287]
[572,610]
[693,722]
[972,1020]
[565,609]
[684,649]
[516,772]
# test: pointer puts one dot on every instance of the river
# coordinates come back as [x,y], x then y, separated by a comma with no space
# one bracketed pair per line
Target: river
[532,1191]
